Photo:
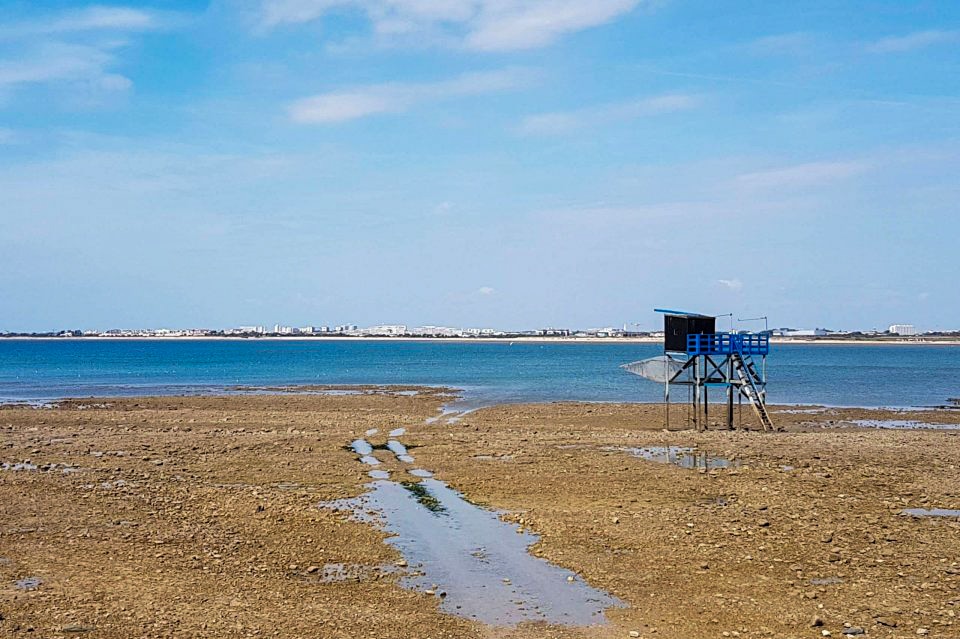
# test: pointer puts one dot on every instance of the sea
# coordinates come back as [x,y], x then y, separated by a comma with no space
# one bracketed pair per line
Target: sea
[486,372]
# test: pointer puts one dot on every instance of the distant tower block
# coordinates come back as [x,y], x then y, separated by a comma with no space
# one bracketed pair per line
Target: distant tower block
[698,357]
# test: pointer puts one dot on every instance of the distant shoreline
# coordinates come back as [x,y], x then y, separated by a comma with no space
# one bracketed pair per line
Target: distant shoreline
[477,340]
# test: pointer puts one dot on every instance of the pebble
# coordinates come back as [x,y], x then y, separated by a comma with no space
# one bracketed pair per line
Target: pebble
[853,631]
[634,633]
[816,622]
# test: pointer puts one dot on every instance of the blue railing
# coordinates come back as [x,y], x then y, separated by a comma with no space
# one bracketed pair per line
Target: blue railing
[728,343]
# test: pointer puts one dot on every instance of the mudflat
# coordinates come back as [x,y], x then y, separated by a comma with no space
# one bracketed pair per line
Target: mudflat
[314,514]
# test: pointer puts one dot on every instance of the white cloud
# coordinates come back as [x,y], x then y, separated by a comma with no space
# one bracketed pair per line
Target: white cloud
[802,175]
[396,97]
[484,25]
[524,25]
[69,47]
[62,62]
[95,18]
[564,122]
[912,41]
[486,290]
[733,285]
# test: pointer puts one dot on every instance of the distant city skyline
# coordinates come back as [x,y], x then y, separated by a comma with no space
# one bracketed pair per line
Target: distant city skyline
[441,330]
[478,162]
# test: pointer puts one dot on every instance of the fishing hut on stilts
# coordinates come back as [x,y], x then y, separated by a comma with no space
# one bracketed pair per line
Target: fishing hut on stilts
[704,361]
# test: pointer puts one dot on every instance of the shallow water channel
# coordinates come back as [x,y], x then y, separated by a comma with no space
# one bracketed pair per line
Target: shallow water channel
[477,564]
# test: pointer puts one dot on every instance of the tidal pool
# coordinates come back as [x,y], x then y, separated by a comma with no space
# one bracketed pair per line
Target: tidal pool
[477,564]
[681,456]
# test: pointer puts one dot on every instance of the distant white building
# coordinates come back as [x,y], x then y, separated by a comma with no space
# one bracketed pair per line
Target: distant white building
[259,330]
[902,329]
[554,332]
[386,330]
[801,332]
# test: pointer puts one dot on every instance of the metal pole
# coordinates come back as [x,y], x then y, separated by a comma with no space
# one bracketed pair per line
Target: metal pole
[666,399]
[729,392]
[706,407]
[696,392]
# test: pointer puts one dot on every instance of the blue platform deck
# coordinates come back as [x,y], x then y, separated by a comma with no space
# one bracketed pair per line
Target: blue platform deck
[728,344]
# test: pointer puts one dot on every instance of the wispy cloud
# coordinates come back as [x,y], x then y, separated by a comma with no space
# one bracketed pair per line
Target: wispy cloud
[396,97]
[913,41]
[486,290]
[566,121]
[802,175]
[88,19]
[523,25]
[732,284]
[483,25]
[62,62]
[75,46]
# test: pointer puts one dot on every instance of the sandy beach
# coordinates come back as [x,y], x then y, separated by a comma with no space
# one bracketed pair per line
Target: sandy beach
[232,517]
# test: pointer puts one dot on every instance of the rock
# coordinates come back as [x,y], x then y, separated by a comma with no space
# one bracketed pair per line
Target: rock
[853,631]
[312,569]
[570,578]
[923,631]
[886,621]
[634,633]
[816,622]
[402,563]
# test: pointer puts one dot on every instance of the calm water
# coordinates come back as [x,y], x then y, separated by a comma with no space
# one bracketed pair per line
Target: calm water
[488,371]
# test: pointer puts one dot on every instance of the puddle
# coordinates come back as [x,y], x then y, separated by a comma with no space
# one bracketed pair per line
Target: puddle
[397,432]
[379,474]
[365,450]
[400,451]
[27,583]
[419,472]
[18,466]
[801,411]
[480,562]
[933,512]
[902,423]
[451,415]
[372,431]
[826,581]
[681,456]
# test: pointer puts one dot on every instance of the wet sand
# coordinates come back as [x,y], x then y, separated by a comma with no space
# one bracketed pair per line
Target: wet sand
[214,517]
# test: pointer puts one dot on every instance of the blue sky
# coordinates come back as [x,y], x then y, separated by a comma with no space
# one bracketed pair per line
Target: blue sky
[506,163]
